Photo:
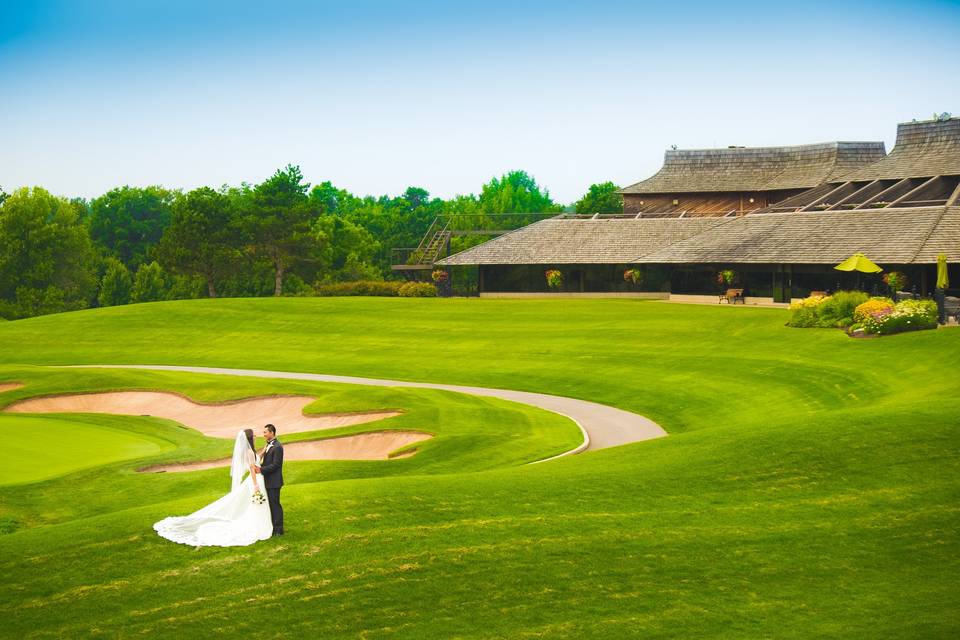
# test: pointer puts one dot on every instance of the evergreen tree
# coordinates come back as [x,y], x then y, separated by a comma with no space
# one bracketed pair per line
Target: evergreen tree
[148,283]
[277,221]
[115,285]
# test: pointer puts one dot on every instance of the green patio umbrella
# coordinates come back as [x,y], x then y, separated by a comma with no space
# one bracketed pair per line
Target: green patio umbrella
[858,262]
[943,281]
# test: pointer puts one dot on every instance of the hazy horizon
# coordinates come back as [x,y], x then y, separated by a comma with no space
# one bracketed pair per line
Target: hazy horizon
[377,96]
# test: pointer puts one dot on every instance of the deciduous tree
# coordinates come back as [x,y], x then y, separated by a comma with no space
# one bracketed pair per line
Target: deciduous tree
[203,238]
[128,221]
[600,198]
[46,257]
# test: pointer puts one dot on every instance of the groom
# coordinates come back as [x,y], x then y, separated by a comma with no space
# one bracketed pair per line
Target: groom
[272,469]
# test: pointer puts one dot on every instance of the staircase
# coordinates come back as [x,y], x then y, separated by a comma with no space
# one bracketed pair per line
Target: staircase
[432,245]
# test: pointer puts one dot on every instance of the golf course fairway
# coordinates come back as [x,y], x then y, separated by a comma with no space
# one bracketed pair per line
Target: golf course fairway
[808,487]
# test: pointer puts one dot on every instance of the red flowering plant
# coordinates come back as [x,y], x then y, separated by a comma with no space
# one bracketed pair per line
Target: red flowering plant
[633,275]
[895,280]
[726,276]
[554,278]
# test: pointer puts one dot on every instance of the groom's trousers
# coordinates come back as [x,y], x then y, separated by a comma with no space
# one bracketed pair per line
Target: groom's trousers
[276,509]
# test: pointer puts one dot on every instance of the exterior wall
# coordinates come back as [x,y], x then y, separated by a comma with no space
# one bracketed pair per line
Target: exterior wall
[705,204]
[763,282]
[643,295]
[781,282]
[578,278]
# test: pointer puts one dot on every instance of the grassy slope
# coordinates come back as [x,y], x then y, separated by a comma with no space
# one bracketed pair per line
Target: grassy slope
[471,434]
[52,447]
[809,488]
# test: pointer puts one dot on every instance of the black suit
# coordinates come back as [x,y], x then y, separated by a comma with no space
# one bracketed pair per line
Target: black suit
[272,470]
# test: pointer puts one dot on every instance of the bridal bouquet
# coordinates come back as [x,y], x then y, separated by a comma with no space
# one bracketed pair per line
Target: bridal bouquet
[259,498]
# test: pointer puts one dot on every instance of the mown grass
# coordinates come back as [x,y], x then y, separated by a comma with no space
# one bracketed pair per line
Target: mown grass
[809,487]
[470,434]
[54,446]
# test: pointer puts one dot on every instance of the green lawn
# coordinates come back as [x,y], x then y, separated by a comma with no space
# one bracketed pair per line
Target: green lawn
[470,434]
[809,487]
[50,447]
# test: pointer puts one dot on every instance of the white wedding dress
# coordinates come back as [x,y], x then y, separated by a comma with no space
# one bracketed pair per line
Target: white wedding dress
[234,520]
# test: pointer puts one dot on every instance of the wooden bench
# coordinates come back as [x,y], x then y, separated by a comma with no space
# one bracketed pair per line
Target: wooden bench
[732,296]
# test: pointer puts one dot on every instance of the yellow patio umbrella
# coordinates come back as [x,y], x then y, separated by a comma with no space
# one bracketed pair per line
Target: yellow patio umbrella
[943,281]
[858,262]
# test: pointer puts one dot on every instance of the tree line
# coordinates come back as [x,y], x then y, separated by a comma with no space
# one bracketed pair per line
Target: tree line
[279,237]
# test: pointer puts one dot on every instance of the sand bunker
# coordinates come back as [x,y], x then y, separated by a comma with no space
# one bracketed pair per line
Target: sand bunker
[215,420]
[9,386]
[375,445]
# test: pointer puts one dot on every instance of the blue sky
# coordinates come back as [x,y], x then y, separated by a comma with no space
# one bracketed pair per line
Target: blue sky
[378,96]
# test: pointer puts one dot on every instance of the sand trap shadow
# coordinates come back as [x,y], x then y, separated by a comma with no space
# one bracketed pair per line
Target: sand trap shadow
[374,445]
[9,386]
[221,420]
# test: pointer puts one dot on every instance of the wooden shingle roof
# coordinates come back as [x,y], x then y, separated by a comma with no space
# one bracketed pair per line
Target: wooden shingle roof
[923,149]
[757,168]
[891,236]
[577,241]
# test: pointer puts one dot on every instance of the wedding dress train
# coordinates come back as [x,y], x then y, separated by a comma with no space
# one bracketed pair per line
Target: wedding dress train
[235,520]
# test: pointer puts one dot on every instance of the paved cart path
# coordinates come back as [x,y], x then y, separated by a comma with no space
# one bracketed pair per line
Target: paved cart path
[602,426]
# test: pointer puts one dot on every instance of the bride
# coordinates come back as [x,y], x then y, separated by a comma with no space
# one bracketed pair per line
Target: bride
[239,518]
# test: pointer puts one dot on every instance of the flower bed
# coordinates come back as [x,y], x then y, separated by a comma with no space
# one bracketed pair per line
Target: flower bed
[907,315]
[826,311]
[859,314]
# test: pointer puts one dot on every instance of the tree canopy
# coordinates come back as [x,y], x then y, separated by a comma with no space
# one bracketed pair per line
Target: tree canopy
[280,236]
[600,198]
[46,256]
[203,238]
[129,221]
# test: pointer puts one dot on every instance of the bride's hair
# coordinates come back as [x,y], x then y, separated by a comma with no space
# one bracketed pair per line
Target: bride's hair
[249,434]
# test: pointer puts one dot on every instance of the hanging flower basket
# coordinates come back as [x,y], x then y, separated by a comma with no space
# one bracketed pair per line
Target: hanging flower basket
[895,280]
[440,276]
[554,278]
[726,276]
[634,276]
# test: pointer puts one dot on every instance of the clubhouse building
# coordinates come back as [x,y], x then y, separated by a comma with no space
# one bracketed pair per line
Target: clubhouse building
[779,217]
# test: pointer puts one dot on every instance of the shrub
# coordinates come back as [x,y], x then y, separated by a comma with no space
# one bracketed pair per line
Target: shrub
[803,317]
[806,313]
[293,285]
[418,290]
[874,308]
[360,288]
[837,310]
[908,315]
[826,311]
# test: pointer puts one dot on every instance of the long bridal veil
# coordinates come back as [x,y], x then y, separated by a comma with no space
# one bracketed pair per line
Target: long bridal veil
[233,520]
[241,460]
